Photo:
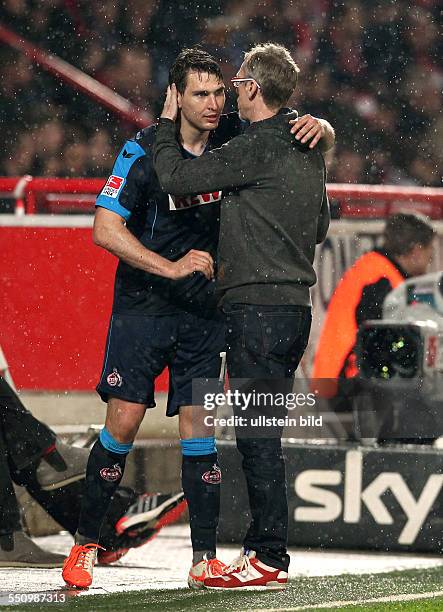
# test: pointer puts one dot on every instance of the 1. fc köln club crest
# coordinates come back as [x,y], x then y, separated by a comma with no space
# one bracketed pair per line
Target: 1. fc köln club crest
[111,474]
[114,379]
[212,476]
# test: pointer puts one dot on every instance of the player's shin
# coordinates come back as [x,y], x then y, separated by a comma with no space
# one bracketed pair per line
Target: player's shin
[103,475]
[201,477]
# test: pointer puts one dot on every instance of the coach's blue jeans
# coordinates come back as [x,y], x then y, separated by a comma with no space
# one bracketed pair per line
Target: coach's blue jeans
[264,343]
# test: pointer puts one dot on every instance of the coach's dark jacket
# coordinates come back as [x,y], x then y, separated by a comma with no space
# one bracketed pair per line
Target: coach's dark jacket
[273,213]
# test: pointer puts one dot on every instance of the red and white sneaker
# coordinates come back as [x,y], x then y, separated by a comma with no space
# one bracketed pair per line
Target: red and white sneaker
[206,568]
[78,567]
[247,572]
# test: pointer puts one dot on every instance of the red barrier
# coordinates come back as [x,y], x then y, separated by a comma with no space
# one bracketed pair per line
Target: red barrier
[57,286]
[51,195]
[55,302]
[380,201]
[362,201]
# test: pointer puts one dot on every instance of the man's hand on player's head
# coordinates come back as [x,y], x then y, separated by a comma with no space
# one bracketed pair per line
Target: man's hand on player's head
[193,261]
[307,128]
[170,107]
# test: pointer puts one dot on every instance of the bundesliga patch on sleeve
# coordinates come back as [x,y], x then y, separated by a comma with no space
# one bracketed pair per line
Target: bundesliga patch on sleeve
[113,186]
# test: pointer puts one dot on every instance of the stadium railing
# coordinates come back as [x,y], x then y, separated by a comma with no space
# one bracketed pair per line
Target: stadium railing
[31,195]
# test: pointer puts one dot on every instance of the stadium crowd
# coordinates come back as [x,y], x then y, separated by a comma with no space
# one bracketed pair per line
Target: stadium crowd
[373,68]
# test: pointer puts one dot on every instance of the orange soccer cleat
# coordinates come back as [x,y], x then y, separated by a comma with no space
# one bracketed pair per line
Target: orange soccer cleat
[78,567]
[206,568]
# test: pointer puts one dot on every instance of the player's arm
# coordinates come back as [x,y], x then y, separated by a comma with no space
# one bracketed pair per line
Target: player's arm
[110,232]
[317,131]
[129,185]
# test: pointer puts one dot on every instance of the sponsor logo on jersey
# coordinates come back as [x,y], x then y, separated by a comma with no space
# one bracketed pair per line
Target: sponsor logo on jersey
[111,474]
[113,186]
[114,379]
[212,476]
[183,202]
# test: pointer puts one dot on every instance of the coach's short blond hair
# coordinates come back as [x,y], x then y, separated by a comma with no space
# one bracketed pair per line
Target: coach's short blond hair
[274,70]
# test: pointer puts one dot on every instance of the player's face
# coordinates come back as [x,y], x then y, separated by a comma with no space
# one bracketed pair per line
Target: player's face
[202,101]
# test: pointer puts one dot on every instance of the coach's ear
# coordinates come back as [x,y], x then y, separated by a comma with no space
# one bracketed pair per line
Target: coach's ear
[179,99]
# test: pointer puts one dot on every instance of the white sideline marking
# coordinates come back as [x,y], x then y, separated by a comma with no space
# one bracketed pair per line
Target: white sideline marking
[356,602]
[47,220]
[74,220]
[164,562]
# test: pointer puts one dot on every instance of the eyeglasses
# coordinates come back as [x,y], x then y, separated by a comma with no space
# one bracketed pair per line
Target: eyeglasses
[237,80]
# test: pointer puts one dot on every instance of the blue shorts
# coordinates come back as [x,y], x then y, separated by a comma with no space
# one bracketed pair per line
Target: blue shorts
[139,348]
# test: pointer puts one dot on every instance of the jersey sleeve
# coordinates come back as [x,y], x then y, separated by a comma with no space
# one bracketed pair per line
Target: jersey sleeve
[127,182]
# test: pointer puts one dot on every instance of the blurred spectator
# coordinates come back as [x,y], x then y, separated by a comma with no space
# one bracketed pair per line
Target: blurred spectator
[374,69]
[101,155]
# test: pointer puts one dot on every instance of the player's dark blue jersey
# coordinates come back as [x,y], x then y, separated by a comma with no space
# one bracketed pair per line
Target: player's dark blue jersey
[168,225]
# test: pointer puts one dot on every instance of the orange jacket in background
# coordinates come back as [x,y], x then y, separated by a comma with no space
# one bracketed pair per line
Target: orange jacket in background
[334,354]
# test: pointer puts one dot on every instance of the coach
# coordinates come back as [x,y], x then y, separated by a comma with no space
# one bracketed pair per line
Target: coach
[273,213]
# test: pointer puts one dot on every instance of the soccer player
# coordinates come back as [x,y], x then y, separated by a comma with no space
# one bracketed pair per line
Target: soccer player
[275,212]
[164,312]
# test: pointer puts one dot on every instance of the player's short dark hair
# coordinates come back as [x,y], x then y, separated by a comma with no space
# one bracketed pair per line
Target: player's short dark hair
[192,60]
[274,70]
[404,230]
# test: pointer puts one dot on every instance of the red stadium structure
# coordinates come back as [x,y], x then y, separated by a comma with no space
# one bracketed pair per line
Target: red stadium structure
[57,285]
[62,195]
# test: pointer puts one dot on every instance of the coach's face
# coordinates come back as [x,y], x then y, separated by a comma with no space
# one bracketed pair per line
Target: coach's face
[202,101]
[244,87]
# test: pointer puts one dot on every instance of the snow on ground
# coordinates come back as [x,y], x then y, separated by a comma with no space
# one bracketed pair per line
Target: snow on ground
[164,562]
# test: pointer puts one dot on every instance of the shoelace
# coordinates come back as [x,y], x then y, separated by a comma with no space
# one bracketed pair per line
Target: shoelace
[215,568]
[86,556]
[240,564]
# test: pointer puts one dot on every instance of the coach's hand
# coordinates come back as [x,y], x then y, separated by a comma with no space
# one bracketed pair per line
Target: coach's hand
[308,128]
[170,107]
[193,261]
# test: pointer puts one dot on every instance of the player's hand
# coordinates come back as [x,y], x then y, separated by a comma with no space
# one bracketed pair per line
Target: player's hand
[170,107]
[308,128]
[193,261]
